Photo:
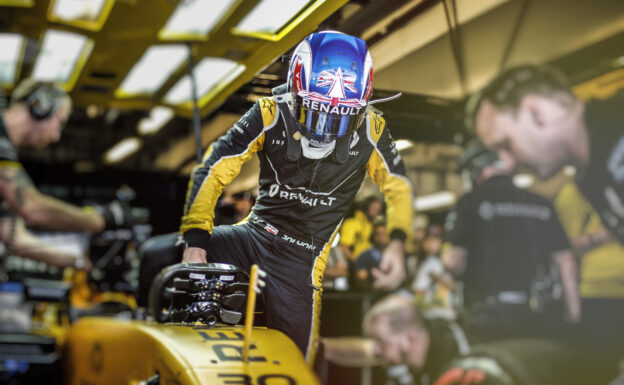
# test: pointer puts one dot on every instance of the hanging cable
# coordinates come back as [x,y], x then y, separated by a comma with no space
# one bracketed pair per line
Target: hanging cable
[514,34]
[453,28]
[196,117]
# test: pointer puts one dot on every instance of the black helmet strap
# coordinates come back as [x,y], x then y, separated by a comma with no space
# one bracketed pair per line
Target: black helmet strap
[293,136]
[341,152]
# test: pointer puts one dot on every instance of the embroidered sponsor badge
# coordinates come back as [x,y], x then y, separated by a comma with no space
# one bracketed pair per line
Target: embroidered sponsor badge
[271,229]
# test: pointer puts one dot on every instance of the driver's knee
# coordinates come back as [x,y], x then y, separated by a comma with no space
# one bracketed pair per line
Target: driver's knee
[155,254]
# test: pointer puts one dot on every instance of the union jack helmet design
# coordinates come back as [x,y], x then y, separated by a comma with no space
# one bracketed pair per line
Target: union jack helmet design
[331,78]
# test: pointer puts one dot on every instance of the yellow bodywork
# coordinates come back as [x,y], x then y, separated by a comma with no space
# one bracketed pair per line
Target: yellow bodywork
[111,351]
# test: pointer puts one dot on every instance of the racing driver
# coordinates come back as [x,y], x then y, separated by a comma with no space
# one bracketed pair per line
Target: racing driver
[316,137]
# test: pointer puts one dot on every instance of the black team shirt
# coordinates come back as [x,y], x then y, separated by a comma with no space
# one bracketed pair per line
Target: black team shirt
[507,232]
[602,182]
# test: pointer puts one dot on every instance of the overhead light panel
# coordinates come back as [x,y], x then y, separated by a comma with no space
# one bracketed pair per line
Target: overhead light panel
[402,144]
[17,3]
[269,16]
[208,73]
[267,76]
[193,20]
[61,57]
[87,14]
[152,70]
[11,52]
[122,150]
[159,116]
[434,201]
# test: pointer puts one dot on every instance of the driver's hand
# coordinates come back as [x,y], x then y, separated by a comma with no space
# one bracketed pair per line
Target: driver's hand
[194,255]
[391,271]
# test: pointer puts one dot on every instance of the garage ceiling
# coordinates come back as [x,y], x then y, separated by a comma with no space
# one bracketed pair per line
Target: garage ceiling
[434,51]
[132,30]
[422,56]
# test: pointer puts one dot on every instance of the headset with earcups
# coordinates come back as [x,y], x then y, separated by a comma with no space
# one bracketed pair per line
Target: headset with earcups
[43,99]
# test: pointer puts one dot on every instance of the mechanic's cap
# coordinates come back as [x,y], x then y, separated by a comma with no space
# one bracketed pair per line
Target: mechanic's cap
[476,157]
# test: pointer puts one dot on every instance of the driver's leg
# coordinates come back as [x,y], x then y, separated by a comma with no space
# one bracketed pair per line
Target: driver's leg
[235,245]
[293,291]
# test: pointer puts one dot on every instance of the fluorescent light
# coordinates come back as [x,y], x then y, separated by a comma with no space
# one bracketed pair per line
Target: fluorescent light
[159,116]
[151,71]
[269,16]
[17,3]
[267,76]
[252,98]
[618,62]
[195,18]
[93,111]
[59,55]
[402,144]
[88,10]
[122,150]
[434,201]
[86,14]
[208,74]
[523,180]
[11,47]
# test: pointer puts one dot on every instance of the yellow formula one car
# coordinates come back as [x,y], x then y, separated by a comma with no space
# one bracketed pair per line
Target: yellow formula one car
[193,338]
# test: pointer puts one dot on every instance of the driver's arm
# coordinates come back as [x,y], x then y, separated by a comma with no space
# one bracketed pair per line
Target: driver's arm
[40,210]
[387,170]
[221,163]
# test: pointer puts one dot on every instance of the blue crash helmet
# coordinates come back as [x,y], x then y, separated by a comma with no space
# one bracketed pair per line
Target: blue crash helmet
[331,79]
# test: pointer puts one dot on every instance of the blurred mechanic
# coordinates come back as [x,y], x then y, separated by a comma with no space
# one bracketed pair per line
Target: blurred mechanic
[499,239]
[529,114]
[370,259]
[602,274]
[433,286]
[420,351]
[35,118]
[356,230]
[413,349]
[403,336]
[316,139]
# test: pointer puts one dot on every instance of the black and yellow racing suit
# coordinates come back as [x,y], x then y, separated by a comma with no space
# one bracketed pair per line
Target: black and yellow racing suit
[298,212]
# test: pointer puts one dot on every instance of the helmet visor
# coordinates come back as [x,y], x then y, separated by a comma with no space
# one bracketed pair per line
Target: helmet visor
[324,123]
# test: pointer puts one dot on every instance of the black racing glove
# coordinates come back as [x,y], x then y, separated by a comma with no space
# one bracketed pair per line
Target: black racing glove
[197,238]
